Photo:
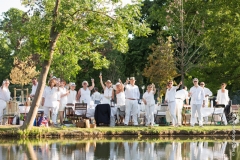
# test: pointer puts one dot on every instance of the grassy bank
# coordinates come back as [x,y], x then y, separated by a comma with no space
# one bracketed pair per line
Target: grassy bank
[118,131]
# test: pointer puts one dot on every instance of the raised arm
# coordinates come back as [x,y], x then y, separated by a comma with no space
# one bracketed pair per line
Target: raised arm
[92,86]
[78,95]
[103,86]
[154,89]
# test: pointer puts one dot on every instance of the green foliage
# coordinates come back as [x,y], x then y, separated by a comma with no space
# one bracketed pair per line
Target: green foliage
[161,63]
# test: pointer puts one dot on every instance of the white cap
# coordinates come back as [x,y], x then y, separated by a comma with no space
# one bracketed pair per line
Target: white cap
[195,79]
[72,84]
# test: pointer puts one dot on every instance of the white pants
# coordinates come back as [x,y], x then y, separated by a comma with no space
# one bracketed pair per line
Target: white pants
[172,110]
[179,106]
[131,107]
[54,113]
[3,105]
[198,108]
[149,110]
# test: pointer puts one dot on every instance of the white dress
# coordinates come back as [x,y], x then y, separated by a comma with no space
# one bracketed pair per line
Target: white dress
[107,96]
[85,96]
[72,96]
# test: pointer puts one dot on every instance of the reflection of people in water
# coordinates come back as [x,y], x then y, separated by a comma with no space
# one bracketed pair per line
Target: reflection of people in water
[131,150]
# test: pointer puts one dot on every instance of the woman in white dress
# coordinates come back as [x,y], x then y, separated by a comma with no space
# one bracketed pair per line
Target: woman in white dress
[63,99]
[50,100]
[120,95]
[84,93]
[222,95]
[108,94]
[4,97]
[72,94]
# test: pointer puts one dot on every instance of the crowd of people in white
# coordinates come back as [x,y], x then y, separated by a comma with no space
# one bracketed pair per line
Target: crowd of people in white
[58,93]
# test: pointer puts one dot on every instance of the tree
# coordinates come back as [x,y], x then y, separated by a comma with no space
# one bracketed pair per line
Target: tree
[161,63]
[23,71]
[78,28]
[186,28]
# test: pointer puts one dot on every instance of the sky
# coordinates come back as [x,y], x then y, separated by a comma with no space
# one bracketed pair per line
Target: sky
[5,5]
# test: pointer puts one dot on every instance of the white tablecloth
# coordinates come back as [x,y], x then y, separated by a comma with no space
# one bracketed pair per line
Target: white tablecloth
[209,111]
[91,111]
[25,109]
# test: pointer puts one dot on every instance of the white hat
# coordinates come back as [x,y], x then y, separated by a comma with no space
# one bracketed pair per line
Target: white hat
[132,78]
[118,83]
[72,84]
[195,79]
[84,82]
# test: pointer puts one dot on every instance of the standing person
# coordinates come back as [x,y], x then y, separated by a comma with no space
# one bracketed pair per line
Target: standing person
[34,87]
[108,94]
[148,100]
[50,101]
[170,99]
[181,96]
[223,98]
[132,95]
[96,96]
[4,97]
[208,93]
[222,95]
[84,93]
[197,102]
[72,94]
[63,100]
[120,95]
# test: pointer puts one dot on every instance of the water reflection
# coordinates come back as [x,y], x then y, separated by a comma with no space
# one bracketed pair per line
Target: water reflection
[123,150]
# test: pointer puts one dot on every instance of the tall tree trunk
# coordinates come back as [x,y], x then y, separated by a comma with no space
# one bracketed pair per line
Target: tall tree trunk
[54,35]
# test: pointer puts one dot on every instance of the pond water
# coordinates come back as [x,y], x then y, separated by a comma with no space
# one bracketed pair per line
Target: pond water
[120,149]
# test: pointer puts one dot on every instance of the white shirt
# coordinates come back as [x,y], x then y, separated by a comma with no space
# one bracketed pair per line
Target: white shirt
[120,99]
[207,92]
[149,97]
[108,92]
[96,96]
[71,98]
[182,94]
[5,94]
[63,100]
[52,97]
[34,88]
[132,91]
[197,95]
[222,98]
[170,94]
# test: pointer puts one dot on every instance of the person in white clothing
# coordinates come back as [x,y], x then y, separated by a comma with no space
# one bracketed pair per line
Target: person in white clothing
[208,93]
[96,96]
[181,96]
[34,87]
[4,97]
[120,95]
[148,100]
[63,100]
[50,101]
[71,98]
[171,101]
[85,92]
[108,94]
[132,95]
[197,102]
[222,95]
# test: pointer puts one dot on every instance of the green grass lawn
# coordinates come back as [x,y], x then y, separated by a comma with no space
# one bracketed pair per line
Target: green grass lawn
[9,131]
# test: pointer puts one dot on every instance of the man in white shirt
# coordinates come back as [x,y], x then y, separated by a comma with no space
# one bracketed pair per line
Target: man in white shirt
[208,93]
[132,95]
[181,95]
[34,87]
[197,102]
[170,99]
